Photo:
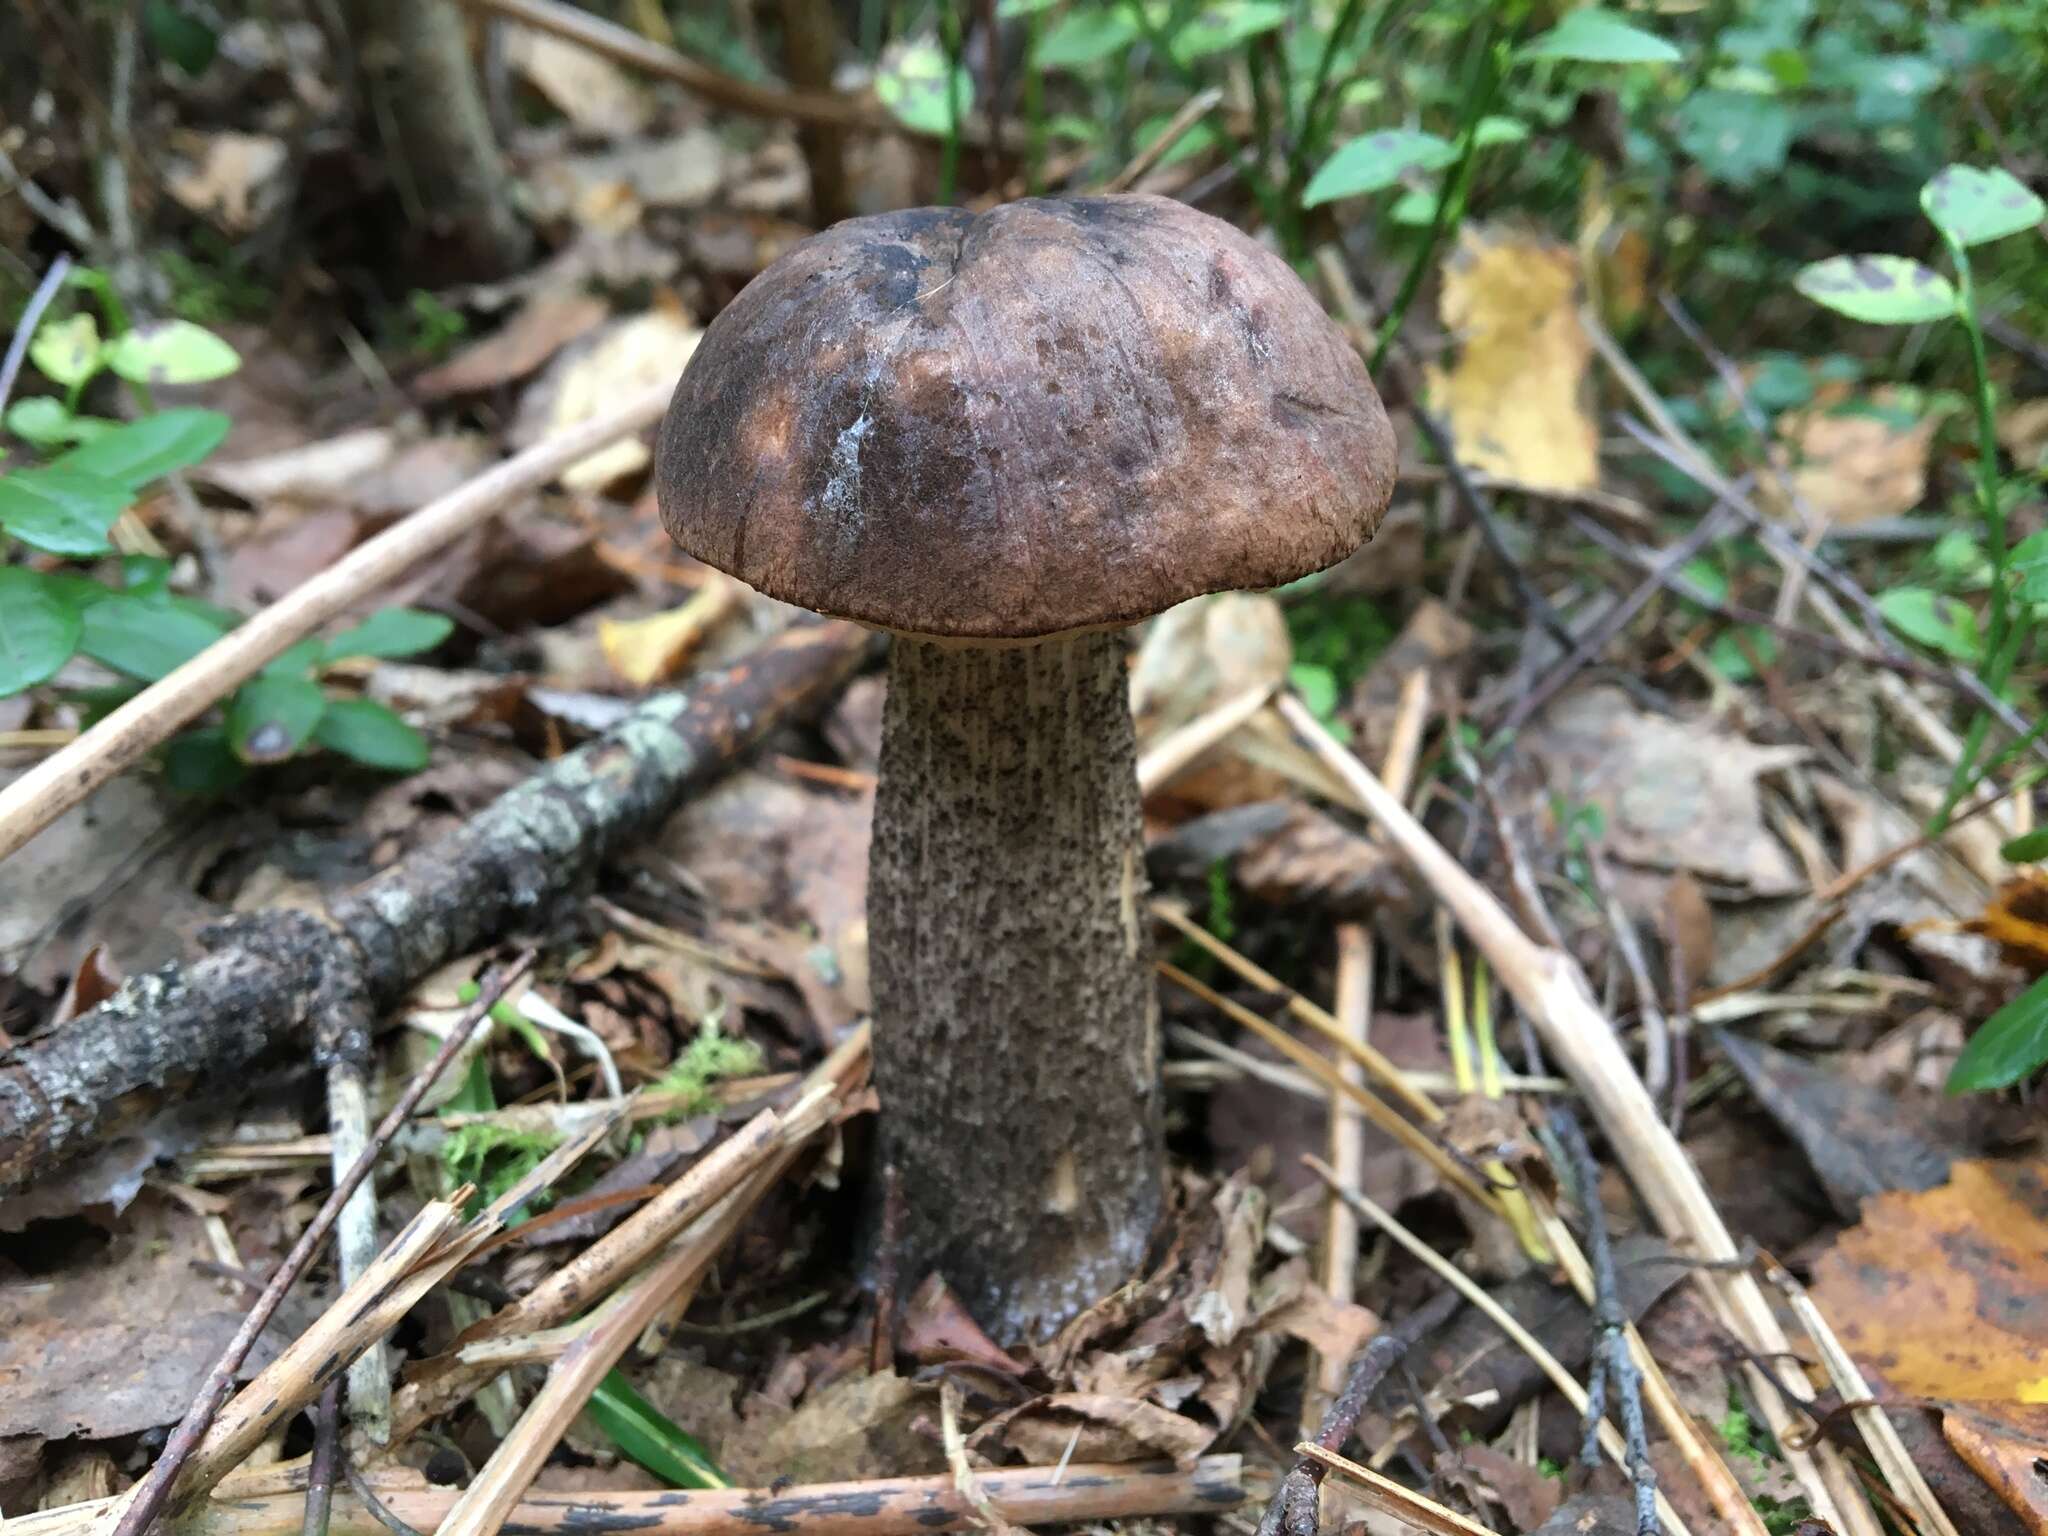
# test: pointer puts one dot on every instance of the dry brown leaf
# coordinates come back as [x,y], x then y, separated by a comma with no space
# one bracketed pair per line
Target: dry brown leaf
[592,92]
[1944,1293]
[936,1329]
[544,325]
[651,650]
[610,190]
[1516,396]
[316,471]
[1849,462]
[2010,1464]
[1674,794]
[232,178]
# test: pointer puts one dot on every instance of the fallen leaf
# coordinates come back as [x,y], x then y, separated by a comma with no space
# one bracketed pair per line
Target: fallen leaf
[2023,433]
[92,983]
[232,178]
[1523,1493]
[1309,859]
[543,325]
[2016,920]
[1674,794]
[636,353]
[595,94]
[858,1426]
[1852,462]
[1943,1293]
[316,471]
[609,190]
[1334,1329]
[2012,1465]
[651,650]
[1092,1427]
[79,1359]
[1857,1138]
[1516,396]
[936,1330]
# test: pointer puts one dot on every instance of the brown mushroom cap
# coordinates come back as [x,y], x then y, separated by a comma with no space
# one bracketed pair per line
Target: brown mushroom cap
[1061,414]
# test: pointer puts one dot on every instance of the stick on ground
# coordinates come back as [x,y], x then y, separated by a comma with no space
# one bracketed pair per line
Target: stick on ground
[254,1001]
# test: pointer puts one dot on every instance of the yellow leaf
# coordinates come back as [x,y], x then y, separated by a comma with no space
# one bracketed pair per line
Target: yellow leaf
[651,650]
[631,354]
[1515,398]
[1851,461]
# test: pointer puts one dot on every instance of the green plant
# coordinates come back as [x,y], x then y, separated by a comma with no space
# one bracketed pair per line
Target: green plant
[712,1055]
[647,1436]
[92,469]
[1968,207]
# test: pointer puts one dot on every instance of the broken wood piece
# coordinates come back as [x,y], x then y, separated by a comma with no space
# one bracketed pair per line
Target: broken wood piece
[887,1506]
[184,1031]
[1403,1503]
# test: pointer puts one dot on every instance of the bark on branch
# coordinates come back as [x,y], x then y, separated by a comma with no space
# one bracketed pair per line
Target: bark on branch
[274,981]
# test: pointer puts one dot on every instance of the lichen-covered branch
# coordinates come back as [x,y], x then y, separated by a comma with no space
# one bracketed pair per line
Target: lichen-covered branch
[274,980]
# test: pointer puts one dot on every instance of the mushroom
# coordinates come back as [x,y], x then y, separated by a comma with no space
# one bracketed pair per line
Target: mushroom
[1003,437]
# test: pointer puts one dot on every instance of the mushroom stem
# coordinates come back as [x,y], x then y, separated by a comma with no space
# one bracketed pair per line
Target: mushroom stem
[1017,1040]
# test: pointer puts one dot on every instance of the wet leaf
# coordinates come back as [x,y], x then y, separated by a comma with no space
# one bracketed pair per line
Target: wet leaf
[39,629]
[171,352]
[1377,161]
[61,511]
[1591,35]
[1974,206]
[271,718]
[1882,290]
[141,451]
[368,733]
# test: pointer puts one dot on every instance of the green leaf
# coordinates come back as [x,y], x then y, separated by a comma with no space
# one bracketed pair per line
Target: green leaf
[67,351]
[1595,36]
[1317,687]
[201,763]
[1737,137]
[171,352]
[1217,28]
[390,633]
[146,636]
[2012,1043]
[365,730]
[1936,621]
[296,660]
[1376,161]
[912,84]
[141,451]
[2028,848]
[1889,87]
[60,511]
[41,420]
[1728,657]
[39,629]
[185,40]
[1974,206]
[271,718]
[1493,130]
[1882,290]
[1086,36]
[2029,561]
[144,573]
[644,1435]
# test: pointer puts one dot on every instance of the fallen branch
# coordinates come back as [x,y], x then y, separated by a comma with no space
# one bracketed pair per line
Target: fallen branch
[146,721]
[885,1506]
[273,976]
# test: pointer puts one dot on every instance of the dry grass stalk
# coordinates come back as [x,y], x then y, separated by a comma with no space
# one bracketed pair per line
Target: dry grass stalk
[1180,746]
[1383,1493]
[1900,1470]
[1551,992]
[889,1506]
[1567,1384]
[1375,1109]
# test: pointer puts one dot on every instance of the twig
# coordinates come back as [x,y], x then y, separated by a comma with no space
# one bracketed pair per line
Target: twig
[66,777]
[348,1121]
[889,1506]
[1293,1509]
[156,1485]
[326,1448]
[367,1497]
[1404,1504]
[1192,111]
[25,327]
[1885,1445]
[1610,1440]
[1554,998]
[1179,747]
[1612,1364]
[1656,1028]
[1665,564]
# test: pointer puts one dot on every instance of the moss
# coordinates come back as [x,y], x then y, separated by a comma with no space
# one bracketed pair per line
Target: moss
[705,1060]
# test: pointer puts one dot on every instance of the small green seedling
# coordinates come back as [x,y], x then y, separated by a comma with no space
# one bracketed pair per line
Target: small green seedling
[91,470]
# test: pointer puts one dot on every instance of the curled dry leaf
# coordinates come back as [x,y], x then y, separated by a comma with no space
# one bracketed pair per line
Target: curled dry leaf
[1516,397]
[1851,461]
[544,324]
[1085,1426]
[937,1329]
